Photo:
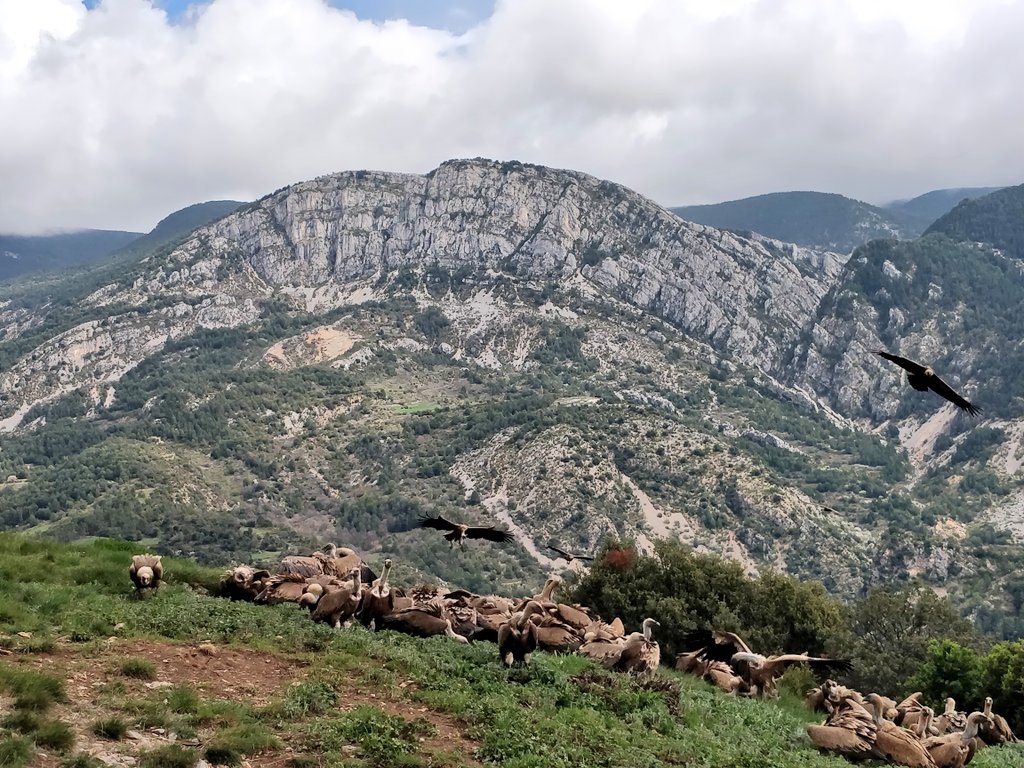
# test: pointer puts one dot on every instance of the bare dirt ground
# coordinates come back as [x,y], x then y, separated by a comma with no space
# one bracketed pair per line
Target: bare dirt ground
[214,672]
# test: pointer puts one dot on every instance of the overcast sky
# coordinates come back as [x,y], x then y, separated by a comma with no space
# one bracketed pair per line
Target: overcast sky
[114,113]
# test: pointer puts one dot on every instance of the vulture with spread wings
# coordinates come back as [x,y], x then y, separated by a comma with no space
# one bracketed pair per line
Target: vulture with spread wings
[922,377]
[569,556]
[758,672]
[457,533]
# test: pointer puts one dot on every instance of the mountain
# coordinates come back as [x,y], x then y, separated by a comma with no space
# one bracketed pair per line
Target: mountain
[21,255]
[24,254]
[813,219]
[928,207]
[182,222]
[533,348]
[996,219]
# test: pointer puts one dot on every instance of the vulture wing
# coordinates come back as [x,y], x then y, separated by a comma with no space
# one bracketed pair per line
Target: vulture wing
[490,533]
[584,557]
[718,646]
[562,552]
[902,362]
[439,522]
[941,388]
[817,663]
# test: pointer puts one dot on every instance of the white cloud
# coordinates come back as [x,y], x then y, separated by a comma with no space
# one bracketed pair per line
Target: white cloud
[116,116]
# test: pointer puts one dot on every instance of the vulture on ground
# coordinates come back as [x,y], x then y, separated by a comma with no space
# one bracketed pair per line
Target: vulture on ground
[517,637]
[922,377]
[457,533]
[146,571]
[898,745]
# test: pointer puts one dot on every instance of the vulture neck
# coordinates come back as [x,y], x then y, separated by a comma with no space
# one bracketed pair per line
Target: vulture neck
[452,633]
[648,623]
[988,706]
[549,589]
[969,732]
[382,587]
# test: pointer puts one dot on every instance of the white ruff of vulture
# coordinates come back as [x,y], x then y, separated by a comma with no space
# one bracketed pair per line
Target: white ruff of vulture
[146,571]
[922,378]
[457,533]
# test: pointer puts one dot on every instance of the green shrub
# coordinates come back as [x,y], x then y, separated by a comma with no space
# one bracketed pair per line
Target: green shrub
[140,669]
[32,690]
[168,756]
[82,760]
[15,751]
[228,746]
[182,700]
[113,728]
[54,734]
[310,697]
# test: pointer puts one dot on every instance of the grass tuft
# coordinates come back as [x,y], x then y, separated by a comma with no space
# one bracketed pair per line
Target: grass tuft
[54,734]
[113,728]
[15,751]
[31,690]
[230,745]
[139,669]
[168,756]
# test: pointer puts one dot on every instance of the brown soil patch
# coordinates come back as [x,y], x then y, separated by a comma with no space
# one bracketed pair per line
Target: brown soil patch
[215,672]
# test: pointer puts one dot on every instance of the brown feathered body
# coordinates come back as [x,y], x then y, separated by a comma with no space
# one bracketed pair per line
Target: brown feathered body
[517,637]
[146,571]
[339,606]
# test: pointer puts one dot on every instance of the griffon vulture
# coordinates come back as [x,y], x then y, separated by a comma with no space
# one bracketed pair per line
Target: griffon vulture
[378,601]
[425,621]
[242,582]
[339,606]
[997,731]
[569,556]
[146,571]
[955,750]
[850,730]
[640,654]
[457,533]
[922,377]
[898,745]
[517,637]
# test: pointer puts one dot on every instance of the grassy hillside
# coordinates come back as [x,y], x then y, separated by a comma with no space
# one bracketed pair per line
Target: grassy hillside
[813,219]
[182,675]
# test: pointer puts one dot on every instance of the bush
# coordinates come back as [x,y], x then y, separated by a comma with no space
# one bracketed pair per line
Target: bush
[113,728]
[169,756]
[140,669]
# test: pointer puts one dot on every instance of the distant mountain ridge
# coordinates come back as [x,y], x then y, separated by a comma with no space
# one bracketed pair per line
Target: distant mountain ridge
[811,219]
[930,206]
[28,254]
[996,219]
[23,254]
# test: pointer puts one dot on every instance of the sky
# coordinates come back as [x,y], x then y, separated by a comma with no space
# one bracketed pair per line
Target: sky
[114,113]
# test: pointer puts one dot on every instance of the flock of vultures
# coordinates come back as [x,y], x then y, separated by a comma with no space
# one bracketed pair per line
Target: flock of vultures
[338,589]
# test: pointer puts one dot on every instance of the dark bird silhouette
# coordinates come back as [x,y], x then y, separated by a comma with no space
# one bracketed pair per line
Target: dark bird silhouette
[457,533]
[922,378]
[569,556]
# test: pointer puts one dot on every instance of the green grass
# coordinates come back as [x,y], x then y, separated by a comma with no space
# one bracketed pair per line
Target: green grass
[418,408]
[113,728]
[560,712]
[139,669]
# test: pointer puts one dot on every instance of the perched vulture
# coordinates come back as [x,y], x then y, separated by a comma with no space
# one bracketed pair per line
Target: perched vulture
[640,654]
[922,377]
[517,637]
[457,533]
[850,730]
[242,582]
[897,745]
[996,730]
[338,607]
[955,750]
[146,571]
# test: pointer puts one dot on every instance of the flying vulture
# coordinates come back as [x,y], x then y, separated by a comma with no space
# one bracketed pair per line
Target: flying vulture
[922,377]
[569,556]
[457,533]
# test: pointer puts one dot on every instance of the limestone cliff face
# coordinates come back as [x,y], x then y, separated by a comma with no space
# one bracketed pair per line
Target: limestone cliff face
[342,237]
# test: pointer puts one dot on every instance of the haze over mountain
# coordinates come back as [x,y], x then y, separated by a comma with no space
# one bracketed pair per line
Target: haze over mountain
[533,347]
[928,207]
[996,219]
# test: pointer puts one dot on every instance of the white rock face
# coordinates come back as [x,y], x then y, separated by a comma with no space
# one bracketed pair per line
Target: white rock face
[345,238]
